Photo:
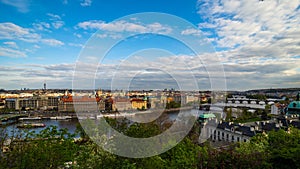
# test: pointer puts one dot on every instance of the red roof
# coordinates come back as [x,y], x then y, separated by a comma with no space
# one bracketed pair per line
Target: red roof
[122,100]
[70,98]
[137,100]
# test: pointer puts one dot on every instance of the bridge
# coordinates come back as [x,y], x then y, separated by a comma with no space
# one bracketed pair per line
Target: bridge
[251,101]
[220,106]
[10,118]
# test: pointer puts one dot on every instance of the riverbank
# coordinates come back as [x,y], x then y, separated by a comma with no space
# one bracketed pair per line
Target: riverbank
[178,109]
[11,118]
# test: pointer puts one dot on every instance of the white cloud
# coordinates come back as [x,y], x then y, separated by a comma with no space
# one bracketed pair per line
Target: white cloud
[157,27]
[124,26]
[54,16]
[13,53]
[258,41]
[52,42]
[21,5]
[11,44]
[110,35]
[56,21]
[206,25]
[190,31]
[57,24]
[36,46]
[33,76]
[12,31]
[86,3]
[118,26]
[250,23]
[245,74]
[75,45]
[77,35]
[42,26]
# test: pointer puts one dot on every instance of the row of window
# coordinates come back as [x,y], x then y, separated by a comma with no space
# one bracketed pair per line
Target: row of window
[220,135]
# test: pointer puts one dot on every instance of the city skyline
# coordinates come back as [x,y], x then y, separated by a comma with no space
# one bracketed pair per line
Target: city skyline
[257,42]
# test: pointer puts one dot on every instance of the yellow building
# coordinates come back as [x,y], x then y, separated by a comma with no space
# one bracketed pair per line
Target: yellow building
[170,99]
[139,104]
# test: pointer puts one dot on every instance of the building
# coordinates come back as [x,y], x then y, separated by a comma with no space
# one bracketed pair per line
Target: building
[122,104]
[52,102]
[275,109]
[109,104]
[2,103]
[22,103]
[294,106]
[138,103]
[191,99]
[32,103]
[27,103]
[226,132]
[10,103]
[278,108]
[230,132]
[68,103]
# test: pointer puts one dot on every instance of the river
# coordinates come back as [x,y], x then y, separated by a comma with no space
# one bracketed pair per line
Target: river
[60,124]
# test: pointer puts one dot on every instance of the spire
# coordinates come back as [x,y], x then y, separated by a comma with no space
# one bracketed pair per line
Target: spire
[45,88]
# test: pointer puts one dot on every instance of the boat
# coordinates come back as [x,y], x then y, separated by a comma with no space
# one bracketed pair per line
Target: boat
[30,118]
[31,125]
[61,118]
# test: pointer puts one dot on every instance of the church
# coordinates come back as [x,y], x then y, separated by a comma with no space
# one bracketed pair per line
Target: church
[294,106]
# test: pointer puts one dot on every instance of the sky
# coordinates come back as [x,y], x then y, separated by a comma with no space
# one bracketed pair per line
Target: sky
[249,44]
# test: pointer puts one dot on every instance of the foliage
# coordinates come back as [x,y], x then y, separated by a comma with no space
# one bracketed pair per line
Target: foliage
[228,114]
[172,104]
[52,148]
[260,97]
[246,116]
[284,148]
[6,110]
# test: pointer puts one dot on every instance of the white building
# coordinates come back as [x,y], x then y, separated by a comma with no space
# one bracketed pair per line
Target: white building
[275,110]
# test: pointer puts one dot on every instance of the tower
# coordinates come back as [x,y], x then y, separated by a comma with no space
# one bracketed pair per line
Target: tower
[45,86]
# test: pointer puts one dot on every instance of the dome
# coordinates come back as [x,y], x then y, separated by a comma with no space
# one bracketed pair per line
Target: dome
[294,106]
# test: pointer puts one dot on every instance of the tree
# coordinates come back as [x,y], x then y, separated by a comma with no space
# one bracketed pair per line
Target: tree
[284,148]
[49,149]
[229,114]
[184,155]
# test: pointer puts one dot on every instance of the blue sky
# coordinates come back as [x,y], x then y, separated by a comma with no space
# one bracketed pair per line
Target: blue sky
[257,42]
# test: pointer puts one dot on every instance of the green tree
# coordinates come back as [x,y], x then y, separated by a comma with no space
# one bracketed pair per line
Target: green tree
[51,148]
[284,148]
[183,155]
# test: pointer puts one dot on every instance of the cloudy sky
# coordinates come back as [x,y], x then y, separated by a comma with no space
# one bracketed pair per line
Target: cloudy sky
[254,44]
